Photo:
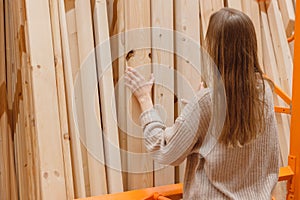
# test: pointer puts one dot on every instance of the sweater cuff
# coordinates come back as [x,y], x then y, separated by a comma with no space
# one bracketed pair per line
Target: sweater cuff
[149,116]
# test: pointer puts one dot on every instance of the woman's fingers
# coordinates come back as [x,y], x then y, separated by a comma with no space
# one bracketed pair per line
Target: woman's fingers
[132,76]
[135,72]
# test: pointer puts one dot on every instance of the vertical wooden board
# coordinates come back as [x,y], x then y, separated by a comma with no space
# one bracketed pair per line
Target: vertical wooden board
[288,15]
[281,49]
[117,50]
[82,188]
[236,4]
[107,96]
[90,97]
[45,96]
[163,69]
[34,185]
[251,8]
[137,16]
[188,77]
[4,130]
[79,187]
[270,64]
[62,105]
[207,8]
[33,188]
[83,179]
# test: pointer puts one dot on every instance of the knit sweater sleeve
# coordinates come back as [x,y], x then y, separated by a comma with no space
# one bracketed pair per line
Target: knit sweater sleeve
[171,145]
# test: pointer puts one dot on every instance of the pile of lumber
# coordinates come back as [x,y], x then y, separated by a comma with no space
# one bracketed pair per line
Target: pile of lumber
[68,126]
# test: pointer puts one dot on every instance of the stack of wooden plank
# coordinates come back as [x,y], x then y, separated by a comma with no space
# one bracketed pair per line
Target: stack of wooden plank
[69,128]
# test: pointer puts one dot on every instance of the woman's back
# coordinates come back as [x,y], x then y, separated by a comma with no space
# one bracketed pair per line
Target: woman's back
[248,172]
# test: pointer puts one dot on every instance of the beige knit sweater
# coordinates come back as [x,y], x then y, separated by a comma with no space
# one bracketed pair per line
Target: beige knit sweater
[249,172]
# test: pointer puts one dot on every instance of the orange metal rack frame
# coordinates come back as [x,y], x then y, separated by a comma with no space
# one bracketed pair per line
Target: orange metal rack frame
[289,173]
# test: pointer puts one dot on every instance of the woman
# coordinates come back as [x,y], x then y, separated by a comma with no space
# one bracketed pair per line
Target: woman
[244,161]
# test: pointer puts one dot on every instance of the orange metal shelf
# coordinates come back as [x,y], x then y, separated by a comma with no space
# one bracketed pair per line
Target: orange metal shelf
[172,191]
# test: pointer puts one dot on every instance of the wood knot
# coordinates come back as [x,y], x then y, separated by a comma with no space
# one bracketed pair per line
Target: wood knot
[130,54]
[45,175]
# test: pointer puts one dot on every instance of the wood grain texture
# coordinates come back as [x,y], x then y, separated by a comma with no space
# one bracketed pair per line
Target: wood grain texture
[107,96]
[251,8]
[288,15]
[44,96]
[62,104]
[78,175]
[188,66]
[137,16]
[163,69]
[87,77]
[270,65]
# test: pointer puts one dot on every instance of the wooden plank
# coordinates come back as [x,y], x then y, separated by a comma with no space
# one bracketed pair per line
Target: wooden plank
[251,8]
[33,164]
[62,105]
[207,8]
[77,93]
[137,16]
[281,49]
[74,135]
[236,4]
[270,64]
[288,15]
[90,97]
[107,96]
[117,49]
[44,96]
[4,129]
[163,69]
[188,76]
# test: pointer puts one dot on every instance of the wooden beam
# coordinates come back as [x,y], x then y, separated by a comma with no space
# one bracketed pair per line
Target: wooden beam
[47,123]
[4,124]
[90,98]
[137,16]
[251,8]
[107,96]
[187,61]
[281,49]
[207,8]
[288,16]
[117,29]
[79,187]
[163,69]
[270,65]
[236,4]
[60,82]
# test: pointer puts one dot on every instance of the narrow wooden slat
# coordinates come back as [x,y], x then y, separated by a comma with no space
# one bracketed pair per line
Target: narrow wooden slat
[77,94]
[284,62]
[207,8]
[60,81]
[137,16]
[163,69]
[4,124]
[78,179]
[107,96]
[288,15]
[188,77]
[270,65]
[281,49]
[88,78]
[251,8]
[44,96]
[117,30]
[236,4]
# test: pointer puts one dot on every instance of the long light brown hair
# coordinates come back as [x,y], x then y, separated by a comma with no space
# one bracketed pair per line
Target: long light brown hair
[231,42]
